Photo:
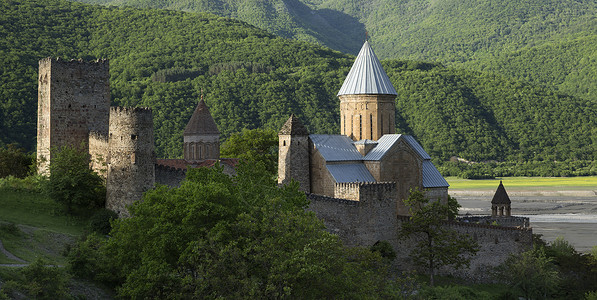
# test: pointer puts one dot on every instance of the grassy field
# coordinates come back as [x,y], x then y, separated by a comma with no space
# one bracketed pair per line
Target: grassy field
[587,183]
[32,226]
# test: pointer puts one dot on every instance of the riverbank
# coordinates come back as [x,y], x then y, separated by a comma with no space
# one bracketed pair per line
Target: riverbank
[565,207]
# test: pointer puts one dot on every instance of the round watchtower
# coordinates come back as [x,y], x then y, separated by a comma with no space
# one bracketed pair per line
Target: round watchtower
[131,161]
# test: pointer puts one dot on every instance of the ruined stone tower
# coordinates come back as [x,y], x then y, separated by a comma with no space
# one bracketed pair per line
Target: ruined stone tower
[131,162]
[367,97]
[73,100]
[293,154]
[201,135]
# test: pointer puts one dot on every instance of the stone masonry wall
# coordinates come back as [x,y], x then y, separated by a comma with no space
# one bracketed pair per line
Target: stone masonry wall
[367,116]
[73,99]
[131,165]
[98,152]
[293,160]
[359,223]
[496,244]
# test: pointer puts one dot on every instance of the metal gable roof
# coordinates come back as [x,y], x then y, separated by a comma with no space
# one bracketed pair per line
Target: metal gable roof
[417,147]
[367,76]
[335,147]
[431,176]
[350,173]
[383,145]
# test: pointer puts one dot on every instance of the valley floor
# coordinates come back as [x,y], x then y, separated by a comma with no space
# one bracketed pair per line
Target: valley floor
[565,207]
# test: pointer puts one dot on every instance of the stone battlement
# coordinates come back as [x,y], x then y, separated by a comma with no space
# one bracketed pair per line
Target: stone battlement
[47,60]
[363,191]
[129,110]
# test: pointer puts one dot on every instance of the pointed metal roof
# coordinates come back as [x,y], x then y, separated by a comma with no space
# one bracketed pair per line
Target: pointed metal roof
[201,121]
[367,76]
[500,196]
[293,126]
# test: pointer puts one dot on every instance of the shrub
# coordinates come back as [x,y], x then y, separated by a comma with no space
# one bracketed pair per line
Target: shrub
[100,221]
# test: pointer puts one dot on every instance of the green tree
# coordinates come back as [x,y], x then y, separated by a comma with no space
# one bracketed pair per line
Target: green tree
[72,183]
[435,245]
[44,282]
[14,161]
[531,272]
[254,145]
[242,237]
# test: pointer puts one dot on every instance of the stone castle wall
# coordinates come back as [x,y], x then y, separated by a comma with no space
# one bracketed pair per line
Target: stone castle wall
[359,223]
[131,165]
[73,99]
[98,152]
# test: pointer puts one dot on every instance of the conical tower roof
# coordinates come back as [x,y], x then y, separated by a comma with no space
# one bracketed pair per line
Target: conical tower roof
[293,126]
[201,122]
[500,196]
[367,76]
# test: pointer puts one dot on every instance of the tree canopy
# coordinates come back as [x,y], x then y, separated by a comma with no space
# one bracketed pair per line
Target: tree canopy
[436,245]
[233,237]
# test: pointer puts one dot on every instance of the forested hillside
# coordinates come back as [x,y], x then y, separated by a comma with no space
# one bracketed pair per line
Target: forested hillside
[548,42]
[163,59]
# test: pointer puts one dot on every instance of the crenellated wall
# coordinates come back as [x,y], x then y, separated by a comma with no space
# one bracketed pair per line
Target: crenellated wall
[359,222]
[131,165]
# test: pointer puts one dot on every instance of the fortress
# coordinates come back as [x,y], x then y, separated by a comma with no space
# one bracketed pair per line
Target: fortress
[356,181]
[74,110]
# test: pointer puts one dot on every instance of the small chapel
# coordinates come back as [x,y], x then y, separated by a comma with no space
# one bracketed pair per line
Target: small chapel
[366,151]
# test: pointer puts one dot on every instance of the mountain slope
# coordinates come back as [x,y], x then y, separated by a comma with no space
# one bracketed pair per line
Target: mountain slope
[164,59]
[470,33]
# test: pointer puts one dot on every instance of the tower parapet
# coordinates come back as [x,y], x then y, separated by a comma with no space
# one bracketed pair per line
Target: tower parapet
[73,99]
[365,191]
[131,162]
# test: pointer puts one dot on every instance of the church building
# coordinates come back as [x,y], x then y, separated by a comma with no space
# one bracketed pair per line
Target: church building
[367,151]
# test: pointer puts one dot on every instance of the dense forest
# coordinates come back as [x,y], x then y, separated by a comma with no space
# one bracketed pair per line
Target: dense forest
[253,79]
[548,42]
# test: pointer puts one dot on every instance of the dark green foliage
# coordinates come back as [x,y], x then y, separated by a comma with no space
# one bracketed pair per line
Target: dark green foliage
[86,259]
[44,282]
[541,168]
[14,161]
[254,146]
[241,237]
[100,221]
[578,272]
[174,74]
[385,250]
[72,183]
[453,292]
[435,245]
[531,273]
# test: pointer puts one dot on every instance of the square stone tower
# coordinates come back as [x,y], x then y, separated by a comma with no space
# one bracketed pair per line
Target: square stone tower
[73,100]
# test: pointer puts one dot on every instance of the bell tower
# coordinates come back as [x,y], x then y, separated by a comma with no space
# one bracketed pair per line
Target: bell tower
[367,109]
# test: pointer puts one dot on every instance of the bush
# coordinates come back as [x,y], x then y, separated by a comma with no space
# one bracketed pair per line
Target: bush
[73,184]
[14,162]
[85,259]
[100,221]
[384,249]
[44,282]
